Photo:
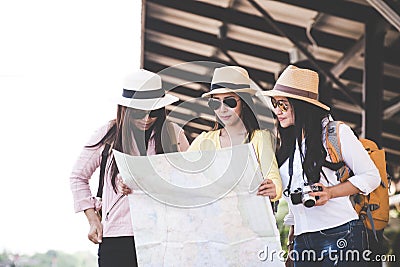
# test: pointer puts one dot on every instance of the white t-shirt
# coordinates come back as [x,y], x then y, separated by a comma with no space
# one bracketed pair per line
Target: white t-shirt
[336,211]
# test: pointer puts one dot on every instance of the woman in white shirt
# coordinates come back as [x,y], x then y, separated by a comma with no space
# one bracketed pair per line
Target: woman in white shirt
[327,231]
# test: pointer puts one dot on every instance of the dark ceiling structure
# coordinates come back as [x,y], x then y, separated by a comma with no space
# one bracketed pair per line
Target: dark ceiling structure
[354,45]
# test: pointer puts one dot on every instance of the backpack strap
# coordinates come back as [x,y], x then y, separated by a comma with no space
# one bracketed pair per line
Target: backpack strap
[335,151]
[104,156]
[371,220]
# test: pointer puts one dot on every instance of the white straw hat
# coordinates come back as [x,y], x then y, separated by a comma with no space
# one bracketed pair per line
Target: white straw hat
[230,79]
[143,90]
[297,83]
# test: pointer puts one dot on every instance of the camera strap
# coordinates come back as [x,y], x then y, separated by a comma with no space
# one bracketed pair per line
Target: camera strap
[286,192]
[303,172]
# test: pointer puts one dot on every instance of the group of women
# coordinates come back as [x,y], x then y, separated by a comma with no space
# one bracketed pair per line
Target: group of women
[298,162]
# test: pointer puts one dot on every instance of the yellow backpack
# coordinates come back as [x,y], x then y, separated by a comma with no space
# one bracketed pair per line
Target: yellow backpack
[374,206]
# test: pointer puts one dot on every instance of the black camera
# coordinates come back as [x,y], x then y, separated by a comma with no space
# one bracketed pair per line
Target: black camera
[303,195]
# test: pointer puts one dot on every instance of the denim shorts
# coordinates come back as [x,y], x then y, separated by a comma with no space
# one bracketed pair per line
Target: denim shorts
[344,245]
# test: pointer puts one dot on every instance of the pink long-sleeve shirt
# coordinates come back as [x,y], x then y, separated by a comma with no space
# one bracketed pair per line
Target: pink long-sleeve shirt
[118,220]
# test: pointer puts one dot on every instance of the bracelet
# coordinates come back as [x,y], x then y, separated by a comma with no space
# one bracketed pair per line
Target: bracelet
[290,243]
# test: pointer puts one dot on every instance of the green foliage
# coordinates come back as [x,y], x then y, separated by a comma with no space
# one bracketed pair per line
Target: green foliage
[49,259]
[283,209]
[3,256]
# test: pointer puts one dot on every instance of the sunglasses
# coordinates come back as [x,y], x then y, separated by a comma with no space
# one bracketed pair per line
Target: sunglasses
[215,104]
[140,114]
[279,103]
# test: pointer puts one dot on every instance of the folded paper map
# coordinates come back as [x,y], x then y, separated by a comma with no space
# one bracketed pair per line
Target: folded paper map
[200,208]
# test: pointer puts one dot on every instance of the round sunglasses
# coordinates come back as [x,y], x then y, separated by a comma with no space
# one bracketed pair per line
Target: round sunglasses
[279,103]
[140,114]
[215,104]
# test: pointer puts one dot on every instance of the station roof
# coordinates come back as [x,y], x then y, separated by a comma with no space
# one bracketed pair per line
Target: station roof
[265,36]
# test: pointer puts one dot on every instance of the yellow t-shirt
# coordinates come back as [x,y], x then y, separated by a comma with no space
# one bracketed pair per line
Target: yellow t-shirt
[262,143]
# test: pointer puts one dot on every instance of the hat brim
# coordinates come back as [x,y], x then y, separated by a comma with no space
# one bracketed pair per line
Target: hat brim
[147,104]
[251,91]
[273,93]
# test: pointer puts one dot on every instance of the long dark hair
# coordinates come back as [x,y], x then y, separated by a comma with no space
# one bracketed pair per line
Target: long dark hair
[308,120]
[122,132]
[248,116]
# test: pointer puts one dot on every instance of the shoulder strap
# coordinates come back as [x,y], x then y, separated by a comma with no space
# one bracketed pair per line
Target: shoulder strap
[104,156]
[334,149]
[287,192]
[332,136]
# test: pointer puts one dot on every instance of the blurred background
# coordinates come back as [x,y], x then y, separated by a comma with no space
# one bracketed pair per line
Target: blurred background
[61,67]
[62,63]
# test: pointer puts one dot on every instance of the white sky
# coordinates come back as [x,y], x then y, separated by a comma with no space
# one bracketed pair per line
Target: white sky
[61,63]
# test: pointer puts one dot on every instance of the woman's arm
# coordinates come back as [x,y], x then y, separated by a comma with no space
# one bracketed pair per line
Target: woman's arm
[339,190]
[366,176]
[183,143]
[86,164]
[263,146]
[83,169]
[96,229]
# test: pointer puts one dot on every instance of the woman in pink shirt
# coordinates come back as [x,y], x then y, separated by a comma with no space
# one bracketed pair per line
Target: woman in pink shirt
[137,130]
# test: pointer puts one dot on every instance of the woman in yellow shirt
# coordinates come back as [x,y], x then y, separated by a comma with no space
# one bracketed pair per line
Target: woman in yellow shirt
[231,99]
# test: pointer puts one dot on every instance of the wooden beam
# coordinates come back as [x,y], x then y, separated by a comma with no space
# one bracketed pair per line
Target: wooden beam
[387,12]
[212,40]
[344,9]
[342,115]
[251,21]
[343,63]
[373,81]
[271,22]
[390,83]
[391,111]
[187,57]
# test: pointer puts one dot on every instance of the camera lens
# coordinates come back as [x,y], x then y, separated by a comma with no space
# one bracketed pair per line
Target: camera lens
[309,202]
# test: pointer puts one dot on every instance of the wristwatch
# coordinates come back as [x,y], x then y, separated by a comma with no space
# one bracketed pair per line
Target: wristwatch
[290,243]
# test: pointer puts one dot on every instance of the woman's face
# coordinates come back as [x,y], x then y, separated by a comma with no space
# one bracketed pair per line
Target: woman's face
[283,111]
[228,109]
[143,119]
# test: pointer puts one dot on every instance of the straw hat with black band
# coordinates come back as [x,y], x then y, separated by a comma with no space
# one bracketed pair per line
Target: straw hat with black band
[143,90]
[230,79]
[297,83]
